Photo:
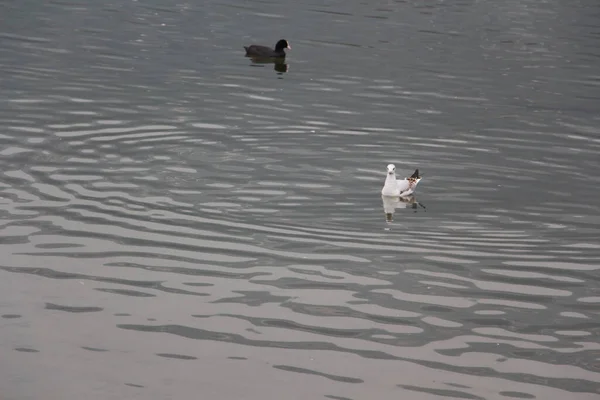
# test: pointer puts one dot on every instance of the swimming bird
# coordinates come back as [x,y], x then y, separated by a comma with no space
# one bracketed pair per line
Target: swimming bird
[399,187]
[256,50]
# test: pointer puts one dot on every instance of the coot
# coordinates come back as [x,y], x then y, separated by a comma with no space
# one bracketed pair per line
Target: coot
[265,51]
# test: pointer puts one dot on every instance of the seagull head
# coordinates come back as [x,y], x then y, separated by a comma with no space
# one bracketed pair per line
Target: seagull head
[391,169]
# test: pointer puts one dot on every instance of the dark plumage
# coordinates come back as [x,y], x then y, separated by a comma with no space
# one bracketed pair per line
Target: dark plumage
[267,52]
[415,175]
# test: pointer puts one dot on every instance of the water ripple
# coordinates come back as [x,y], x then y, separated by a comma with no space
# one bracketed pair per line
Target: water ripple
[163,204]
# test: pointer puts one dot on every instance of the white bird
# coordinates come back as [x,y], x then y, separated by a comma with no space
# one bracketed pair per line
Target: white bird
[399,187]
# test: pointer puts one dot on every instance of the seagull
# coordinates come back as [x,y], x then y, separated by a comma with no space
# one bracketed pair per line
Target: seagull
[399,187]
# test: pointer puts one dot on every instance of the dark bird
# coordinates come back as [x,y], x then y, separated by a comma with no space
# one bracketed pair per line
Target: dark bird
[267,52]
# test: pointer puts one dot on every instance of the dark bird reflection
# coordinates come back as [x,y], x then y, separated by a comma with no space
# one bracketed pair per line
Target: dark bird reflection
[390,204]
[279,64]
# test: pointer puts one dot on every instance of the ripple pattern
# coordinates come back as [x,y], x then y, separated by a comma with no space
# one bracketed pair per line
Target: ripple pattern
[174,217]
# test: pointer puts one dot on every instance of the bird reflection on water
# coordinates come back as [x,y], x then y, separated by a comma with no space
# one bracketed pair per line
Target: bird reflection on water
[279,65]
[390,204]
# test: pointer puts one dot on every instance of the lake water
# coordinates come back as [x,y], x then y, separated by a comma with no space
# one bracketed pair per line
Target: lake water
[178,222]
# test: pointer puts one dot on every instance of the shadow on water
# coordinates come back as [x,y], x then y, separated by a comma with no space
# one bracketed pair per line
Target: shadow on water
[279,64]
[390,204]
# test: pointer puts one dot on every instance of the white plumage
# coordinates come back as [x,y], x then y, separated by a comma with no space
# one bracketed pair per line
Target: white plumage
[399,187]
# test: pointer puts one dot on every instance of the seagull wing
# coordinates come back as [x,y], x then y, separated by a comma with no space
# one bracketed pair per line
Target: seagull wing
[402,185]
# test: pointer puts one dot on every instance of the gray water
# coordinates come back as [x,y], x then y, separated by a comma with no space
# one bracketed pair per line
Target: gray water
[179,222]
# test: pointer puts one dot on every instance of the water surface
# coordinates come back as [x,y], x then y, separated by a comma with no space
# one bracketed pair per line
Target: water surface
[178,220]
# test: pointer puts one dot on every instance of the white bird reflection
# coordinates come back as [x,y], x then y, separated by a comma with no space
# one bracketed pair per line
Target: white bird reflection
[390,204]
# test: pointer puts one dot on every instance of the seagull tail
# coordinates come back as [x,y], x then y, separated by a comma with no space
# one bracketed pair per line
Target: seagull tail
[415,175]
